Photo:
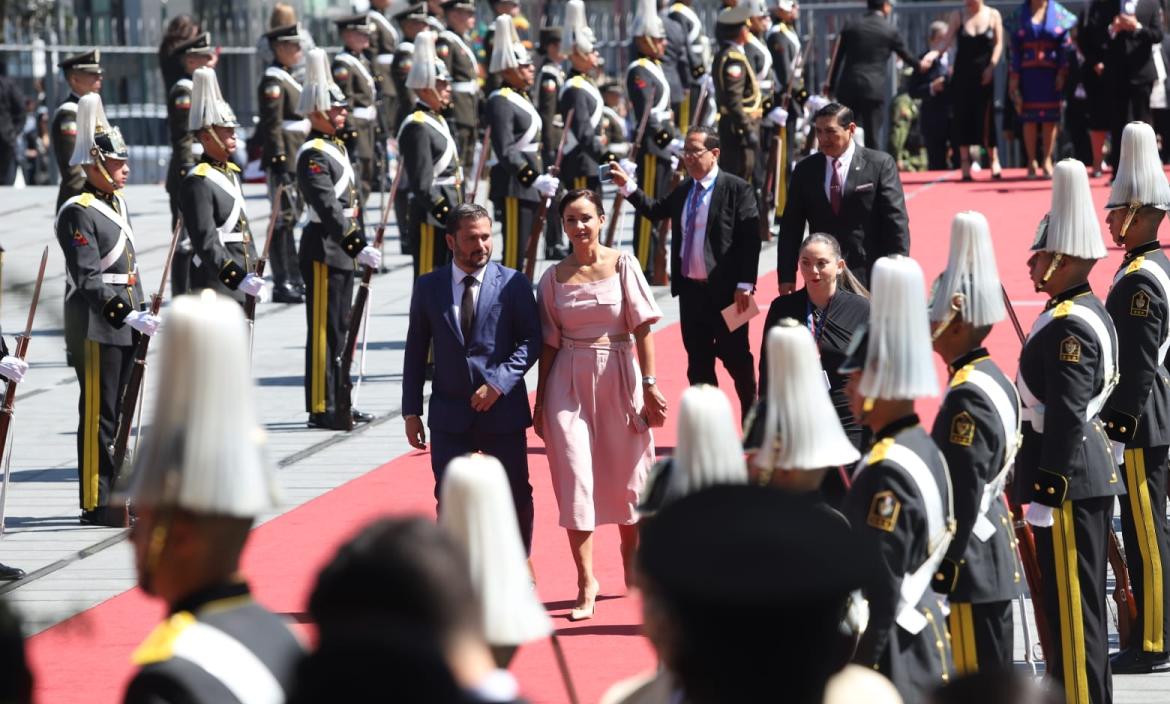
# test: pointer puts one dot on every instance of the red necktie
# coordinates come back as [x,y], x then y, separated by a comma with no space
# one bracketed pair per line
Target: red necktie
[835,189]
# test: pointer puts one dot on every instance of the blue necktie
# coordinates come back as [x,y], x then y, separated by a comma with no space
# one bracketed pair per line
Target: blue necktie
[696,198]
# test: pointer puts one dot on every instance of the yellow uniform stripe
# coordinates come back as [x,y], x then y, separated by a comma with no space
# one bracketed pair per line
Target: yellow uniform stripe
[511,255]
[320,315]
[426,249]
[646,231]
[684,110]
[782,172]
[580,182]
[90,445]
[1068,593]
[962,624]
[1147,539]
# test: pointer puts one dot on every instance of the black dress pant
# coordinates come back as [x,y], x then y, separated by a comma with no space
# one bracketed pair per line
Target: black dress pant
[1073,556]
[870,115]
[328,300]
[982,636]
[184,251]
[516,218]
[102,373]
[282,256]
[431,250]
[706,337]
[1147,539]
[1130,103]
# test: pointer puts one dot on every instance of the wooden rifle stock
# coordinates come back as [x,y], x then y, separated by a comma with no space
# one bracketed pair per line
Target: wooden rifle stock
[1122,593]
[769,191]
[262,263]
[661,278]
[469,194]
[619,199]
[545,204]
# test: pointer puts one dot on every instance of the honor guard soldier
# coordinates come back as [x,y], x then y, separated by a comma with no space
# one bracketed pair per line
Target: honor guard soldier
[212,199]
[737,93]
[83,73]
[200,482]
[784,44]
[454,49]
[760,58]
[517,181]
[585,144]
[900,501]
[282,131]
[383,41]
[549,79]
[613,119]
[412,18]
[104,307]
[1137,414]
[648,89]
[353,73]
[432,175]
[699,48]
[194,53]
[330,243]
[978,430]
[1065,468]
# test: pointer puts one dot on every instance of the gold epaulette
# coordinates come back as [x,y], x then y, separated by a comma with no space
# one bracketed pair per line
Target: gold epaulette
[85,200]
[1063,309]
[1135,265]
[960,376]
[159,645]
[417,116]
[201,169]
[879,450]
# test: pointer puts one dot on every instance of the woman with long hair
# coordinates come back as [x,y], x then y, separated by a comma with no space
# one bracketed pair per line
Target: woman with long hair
[179,30]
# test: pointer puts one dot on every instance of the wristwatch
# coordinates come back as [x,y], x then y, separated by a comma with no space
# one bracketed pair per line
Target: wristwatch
[649,380]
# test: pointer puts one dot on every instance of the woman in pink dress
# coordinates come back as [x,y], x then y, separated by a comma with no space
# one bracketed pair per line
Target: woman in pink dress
[594,404]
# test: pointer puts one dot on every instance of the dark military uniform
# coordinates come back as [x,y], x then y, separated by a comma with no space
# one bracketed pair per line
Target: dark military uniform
[978,431]
[384,40]
[648,89]
[183,156]
[697,58]
[456,52]
[94,232]
[584,148]
[899,504]
[616,131]
[516,144]
[282,131]
[1137,415]
[737,93]
[1067,368]
[403,59]
[549,81]
[760,58]
[330,242]
[430,178]
[63,133]
[213,210]
[217,645]
[784,44]
[354,76]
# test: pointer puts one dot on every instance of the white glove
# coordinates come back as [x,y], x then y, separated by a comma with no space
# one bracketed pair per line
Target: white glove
[1038,515]
[674,163]
[13,368]
[370,256]
[1118,451]
[628,189]
[547,185]
[777,116]
[252,285]
[675,146]
[143,322]
[628,166]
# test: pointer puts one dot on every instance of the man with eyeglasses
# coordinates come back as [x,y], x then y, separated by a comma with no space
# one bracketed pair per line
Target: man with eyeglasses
[714,255]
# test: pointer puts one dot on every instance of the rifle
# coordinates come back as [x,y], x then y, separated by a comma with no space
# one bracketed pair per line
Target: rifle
[262,262]
[542,213]
[619,199]
[9,407]
[778,174]
[357,314]
[1122,593]
[769,191]
[469,195]
[660,276]
[138,371]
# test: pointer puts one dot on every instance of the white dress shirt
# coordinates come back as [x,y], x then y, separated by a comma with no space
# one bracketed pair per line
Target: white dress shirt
[843,163]
[696,267]
[457,276]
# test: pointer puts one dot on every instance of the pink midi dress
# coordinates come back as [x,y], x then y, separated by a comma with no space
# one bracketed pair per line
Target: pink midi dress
[599,447]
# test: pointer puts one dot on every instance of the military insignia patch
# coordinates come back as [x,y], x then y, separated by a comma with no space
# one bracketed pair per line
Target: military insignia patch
[272,91]
[549,86]
[1070,349]
[883,511]
[315,168]
[183,102]
[69,127]
[442,51]
[734,71]
[341,73]
[1139,305]
[79,240]
[963,429]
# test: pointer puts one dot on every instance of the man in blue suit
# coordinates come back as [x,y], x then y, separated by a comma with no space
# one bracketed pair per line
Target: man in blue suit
[481,321]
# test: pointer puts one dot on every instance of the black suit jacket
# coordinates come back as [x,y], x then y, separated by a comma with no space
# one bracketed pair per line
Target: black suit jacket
[732,248]
[859,73]
[1128,55]
[872,222]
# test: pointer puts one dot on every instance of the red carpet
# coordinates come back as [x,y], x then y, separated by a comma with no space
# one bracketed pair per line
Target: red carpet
[87,657]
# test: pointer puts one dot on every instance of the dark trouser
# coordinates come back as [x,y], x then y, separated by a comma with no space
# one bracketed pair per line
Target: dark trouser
[738,156]
[8,164]
[918,663]
[870,116]
[705,337]
[465,142]
[184,252]
[1072,557]
[654,175]
[328,298]
[432,251]
[511,449]
[407,232]
[982,636]
[283,253]
[1130,103]
[1144,529]
[516,219]
[102,372]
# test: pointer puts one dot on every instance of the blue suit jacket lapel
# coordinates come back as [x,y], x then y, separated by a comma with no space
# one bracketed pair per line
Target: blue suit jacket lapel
[488,294]
[446,301]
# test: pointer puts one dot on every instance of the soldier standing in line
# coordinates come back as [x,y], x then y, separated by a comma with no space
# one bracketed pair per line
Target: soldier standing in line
[550,78]
[105,311]
[517,181]
[212,200]
[454,49]
[737,92]
[83,73]
[1137,414]
[784,44]
[412,19]
[613,119]
[431,171]
[760,57]
[353,73]
[978,430]
[699,49]
[330,243]
[194,53]
[282,131]
[383,41]
[676,64]
[649,89]
[585,144]
[1066,470]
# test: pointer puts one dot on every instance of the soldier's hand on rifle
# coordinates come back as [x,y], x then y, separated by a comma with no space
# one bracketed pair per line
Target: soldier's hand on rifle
[547,185]
[777,116]
[370,256]
[1039,515]
[13,368]
[484,398]
[143,322]
[252,285]
[416,434]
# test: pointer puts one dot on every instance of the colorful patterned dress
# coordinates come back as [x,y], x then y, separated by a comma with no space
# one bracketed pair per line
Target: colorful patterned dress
[1038,53]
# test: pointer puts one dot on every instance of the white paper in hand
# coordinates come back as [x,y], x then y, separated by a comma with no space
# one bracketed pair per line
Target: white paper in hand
[735,319]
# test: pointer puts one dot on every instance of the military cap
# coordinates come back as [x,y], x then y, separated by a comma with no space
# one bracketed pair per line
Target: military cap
[738,14]
[287,33]
[199,44]
[87,62]
[549,35]
[416,11]
[458,5]
[612,85]
[358,23]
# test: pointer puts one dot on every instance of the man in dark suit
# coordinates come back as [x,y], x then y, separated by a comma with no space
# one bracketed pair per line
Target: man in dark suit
[858,76]
[934,116]
[481,321]
[848,191]
[714,255]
